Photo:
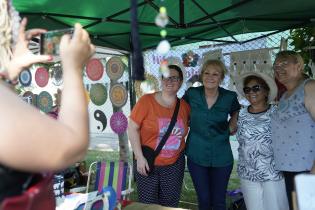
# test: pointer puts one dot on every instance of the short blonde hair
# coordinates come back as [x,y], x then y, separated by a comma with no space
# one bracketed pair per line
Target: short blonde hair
[216,64]
[292,56]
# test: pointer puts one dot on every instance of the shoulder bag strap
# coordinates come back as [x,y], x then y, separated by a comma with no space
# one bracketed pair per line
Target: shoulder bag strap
[169,129]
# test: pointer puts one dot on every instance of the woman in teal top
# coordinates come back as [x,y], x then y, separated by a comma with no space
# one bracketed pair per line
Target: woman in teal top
[208,150]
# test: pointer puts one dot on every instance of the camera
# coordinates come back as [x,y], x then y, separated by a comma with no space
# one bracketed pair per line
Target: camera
[50,41]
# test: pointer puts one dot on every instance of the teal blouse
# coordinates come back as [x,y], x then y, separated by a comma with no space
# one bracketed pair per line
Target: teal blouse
[208,139]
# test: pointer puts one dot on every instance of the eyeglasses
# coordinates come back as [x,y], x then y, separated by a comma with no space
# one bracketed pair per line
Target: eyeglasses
[255,89]
[171,79]
[281,65]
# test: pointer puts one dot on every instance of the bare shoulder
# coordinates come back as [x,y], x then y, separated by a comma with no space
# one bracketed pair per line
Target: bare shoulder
[309,89]
[309,100]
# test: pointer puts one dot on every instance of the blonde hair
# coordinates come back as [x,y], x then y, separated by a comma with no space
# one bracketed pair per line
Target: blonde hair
[5,34]
[216,64]
[292,56]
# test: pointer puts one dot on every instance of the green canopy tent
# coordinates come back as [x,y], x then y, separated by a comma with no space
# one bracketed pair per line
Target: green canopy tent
[108,21]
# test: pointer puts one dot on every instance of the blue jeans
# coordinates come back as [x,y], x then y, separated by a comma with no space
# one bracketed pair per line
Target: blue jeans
[210,184]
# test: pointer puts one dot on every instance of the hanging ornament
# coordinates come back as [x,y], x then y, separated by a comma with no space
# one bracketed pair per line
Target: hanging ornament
[163,47]
[164,68]
[163,33]
[161,19]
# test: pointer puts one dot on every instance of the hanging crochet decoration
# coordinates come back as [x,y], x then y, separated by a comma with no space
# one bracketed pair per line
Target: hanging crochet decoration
[41,76]
[25,77]
[250,60]
[190,59]
[114,68]
[56,74]
[119,122]
[161,20]
[94,69]
[28,97]
[118,95]
[98,94]
[44,101]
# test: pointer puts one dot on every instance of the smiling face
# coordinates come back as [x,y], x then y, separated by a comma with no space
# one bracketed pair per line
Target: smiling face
[288,67]
[172,83]
[211,77]
[255,91]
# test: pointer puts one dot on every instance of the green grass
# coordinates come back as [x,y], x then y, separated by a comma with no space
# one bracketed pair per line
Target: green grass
[188,196]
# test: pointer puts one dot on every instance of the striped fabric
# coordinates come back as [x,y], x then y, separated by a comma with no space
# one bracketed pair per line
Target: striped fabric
[112,174]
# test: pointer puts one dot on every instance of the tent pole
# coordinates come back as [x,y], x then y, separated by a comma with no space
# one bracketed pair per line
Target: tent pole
[182,13]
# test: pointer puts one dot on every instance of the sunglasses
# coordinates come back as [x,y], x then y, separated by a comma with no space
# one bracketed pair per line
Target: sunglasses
[255,89]
[171,79]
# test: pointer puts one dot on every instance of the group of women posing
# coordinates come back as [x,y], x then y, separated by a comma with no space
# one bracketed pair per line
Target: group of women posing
[276,143]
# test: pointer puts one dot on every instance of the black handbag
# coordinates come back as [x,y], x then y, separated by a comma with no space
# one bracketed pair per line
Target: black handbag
[149,153]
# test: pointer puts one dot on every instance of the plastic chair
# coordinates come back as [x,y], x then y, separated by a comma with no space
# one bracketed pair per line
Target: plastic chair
[116,174]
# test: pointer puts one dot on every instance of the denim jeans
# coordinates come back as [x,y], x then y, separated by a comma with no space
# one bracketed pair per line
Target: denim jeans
[210,184]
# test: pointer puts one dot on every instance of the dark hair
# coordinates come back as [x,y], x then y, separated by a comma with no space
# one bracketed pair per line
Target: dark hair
[259,80]
[178,69]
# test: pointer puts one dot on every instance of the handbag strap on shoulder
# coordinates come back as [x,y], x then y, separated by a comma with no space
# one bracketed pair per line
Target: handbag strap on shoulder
[169,129]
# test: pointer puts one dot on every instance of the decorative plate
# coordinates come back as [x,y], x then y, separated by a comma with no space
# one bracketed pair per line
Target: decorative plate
[28,97]
[56,75]
[150,84]
[118,95]
[118,122]
[41,76]
[114,68]
[94,69]
[44,101]
[98,94]
[25,77]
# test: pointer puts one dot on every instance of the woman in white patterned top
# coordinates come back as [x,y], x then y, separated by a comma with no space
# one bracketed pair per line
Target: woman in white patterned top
[262,186]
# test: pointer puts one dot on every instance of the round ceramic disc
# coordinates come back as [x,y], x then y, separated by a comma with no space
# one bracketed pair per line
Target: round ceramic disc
[41,77]
[94,69]
[118,95]
[34,97]
[44,101]
[27,93]
[114,68]
[118,122]
[56,74]
[25,77]
[98,94]
[28,97]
